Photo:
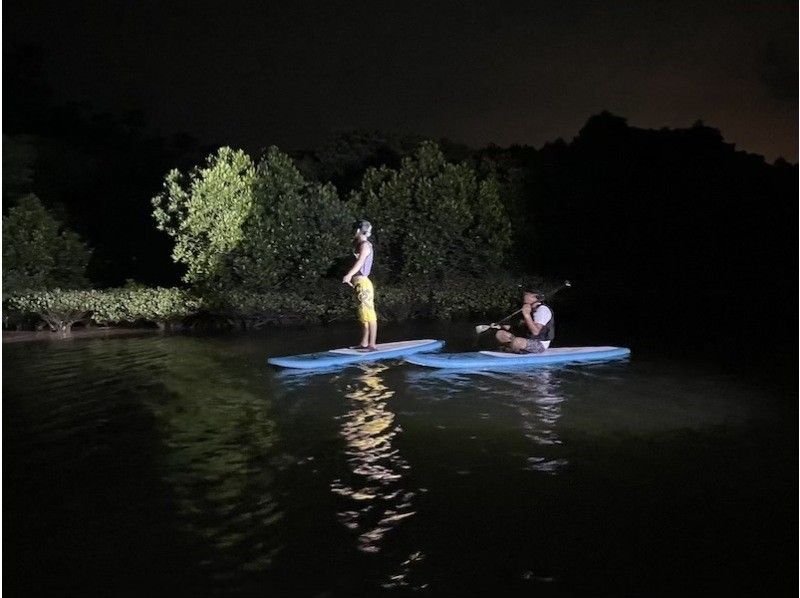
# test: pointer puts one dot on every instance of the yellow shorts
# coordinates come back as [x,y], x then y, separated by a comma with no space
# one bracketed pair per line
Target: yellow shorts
[366,300]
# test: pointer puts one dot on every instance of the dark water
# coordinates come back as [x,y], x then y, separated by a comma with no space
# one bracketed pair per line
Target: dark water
[184,464]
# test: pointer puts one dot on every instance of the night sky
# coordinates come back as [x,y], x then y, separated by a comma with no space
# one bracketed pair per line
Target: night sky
[250,74]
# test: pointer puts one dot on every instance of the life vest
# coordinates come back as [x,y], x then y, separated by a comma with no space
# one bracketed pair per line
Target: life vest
[548,331]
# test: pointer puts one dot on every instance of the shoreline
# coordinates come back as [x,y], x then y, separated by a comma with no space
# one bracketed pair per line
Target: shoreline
[22,336]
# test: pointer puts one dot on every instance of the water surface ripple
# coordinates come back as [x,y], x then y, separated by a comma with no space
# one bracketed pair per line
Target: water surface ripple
[185,464]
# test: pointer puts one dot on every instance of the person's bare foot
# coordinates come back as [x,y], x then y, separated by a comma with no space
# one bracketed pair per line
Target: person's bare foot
[358,347]
[370,348]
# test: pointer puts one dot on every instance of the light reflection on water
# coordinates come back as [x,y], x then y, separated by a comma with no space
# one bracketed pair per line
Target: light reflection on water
[376,497]
[206,434]
[534,398]
[219,438]
[188,458]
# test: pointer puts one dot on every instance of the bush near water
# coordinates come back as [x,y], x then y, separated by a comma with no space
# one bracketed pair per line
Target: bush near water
[261,245]
[173,308]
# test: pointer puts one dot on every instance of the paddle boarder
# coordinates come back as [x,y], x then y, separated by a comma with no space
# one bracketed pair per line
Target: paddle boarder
[358,278]
[534,331]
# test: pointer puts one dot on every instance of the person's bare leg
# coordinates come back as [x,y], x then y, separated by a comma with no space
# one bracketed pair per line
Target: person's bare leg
[373,333]
[504,337]
[365,336]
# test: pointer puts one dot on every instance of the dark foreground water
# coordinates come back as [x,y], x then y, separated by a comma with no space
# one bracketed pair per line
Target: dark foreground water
[186,465]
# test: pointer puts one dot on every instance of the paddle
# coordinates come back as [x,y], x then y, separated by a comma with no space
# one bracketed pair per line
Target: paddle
[481,328]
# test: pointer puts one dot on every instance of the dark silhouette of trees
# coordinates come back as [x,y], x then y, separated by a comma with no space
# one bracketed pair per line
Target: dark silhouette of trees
[93,171]
[675,234]
[343,158]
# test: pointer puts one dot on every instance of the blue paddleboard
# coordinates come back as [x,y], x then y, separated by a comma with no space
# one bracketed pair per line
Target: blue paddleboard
[496,359]
[335,357]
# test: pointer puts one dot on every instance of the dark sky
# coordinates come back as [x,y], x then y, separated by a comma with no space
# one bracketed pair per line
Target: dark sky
[255,73]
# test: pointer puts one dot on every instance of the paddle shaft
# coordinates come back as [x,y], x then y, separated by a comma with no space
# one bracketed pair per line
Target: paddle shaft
[509,316]
[481,329]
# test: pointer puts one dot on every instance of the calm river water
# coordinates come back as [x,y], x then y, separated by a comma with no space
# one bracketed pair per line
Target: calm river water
[185,464]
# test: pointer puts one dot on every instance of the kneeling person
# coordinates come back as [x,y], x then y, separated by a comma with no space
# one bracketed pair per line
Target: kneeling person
[537,326]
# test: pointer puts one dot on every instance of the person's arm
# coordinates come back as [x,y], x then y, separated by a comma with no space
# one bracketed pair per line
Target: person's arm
[534,327]
[363,253]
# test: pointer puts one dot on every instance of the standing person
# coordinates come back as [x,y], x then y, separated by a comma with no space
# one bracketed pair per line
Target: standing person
[359,274]
[537,329]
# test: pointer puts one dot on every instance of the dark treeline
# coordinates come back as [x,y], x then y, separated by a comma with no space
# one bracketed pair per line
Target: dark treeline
[667,232]
[94,171]
[674,234]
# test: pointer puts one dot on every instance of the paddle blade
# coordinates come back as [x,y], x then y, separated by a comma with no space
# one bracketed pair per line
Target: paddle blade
[481,328]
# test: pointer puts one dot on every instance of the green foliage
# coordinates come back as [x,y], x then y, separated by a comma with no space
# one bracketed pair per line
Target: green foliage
[512,168]
[133,303]
[327,302]
[448,299]
[38,252]
[205,212]
[331,301]
[241,226]
[337,300]
[295,229]
[405,301]
[60,309]
[433,218]
[464,298]
[256,309]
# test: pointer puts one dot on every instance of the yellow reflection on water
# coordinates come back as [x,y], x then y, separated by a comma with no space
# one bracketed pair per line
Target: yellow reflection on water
[374,489]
